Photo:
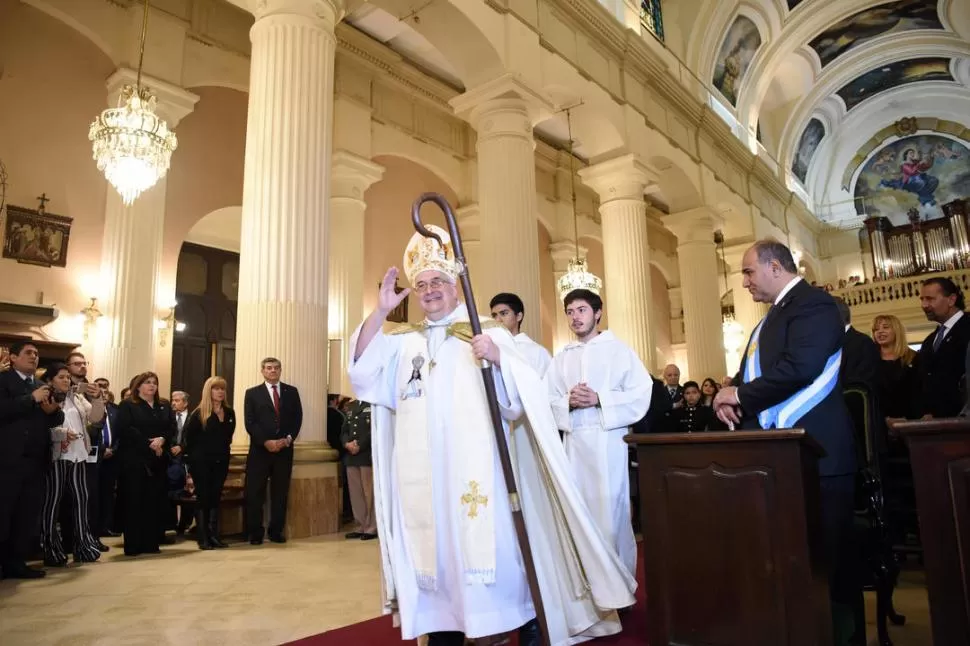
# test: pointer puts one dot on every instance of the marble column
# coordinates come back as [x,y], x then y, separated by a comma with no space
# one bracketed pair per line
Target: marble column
[350,176]
[562,253]
[697,259]
[283,281]
[131,256]
[470,226]
[503,112]
[620,184]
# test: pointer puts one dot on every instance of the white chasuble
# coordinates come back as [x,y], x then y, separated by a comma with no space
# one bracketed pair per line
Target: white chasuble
[438,482]
[593,437]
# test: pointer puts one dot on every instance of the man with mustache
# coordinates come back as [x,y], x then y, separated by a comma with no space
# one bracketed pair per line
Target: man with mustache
[450,555]
[599,388]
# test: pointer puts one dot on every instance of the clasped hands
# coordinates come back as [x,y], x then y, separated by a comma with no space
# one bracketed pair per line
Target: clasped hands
[352,447]
[275,446]
[156,445]
[582,396]
[726,407]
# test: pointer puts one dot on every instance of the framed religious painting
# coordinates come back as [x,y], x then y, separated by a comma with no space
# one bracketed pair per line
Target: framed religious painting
[400,313]
[36,237]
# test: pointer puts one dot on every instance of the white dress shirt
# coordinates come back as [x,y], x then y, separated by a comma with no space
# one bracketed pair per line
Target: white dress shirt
[948,326]
[279,390]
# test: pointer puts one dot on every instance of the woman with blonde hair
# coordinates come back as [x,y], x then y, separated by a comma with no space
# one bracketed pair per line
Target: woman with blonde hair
[208,436]
[899,385]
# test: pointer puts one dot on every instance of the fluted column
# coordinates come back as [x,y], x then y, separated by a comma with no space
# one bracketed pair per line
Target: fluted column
[697,259]
[562,252]
[283,284]
[470,225]
[131,255]
[350,176]
[503,112]
[620,184]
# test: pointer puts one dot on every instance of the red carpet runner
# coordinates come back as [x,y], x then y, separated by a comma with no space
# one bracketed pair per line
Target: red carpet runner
[380,632]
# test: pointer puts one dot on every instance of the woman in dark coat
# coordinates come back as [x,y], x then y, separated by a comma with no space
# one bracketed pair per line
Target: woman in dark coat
[208,436]
[145,426]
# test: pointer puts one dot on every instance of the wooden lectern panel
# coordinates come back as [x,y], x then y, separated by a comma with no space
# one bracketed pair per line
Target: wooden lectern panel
[726,523]
[939,451]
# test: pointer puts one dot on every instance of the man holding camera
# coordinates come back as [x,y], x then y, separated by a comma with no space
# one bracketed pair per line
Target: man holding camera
[27,413]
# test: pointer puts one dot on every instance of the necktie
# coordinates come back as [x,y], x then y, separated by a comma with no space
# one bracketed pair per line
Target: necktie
[276,401]
[940,335]
[107,431]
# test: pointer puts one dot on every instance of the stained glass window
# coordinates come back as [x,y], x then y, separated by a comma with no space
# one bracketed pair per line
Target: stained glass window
[651,17]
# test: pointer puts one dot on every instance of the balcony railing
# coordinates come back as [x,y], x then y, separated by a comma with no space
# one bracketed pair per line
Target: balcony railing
[890,294]
[651,17]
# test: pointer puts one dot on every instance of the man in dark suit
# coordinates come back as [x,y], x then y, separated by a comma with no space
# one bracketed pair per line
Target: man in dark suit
[657,419]
[107,467]
[672,386]
[274,416]
[860,354]
[27,413]
[941,357]
[796,349]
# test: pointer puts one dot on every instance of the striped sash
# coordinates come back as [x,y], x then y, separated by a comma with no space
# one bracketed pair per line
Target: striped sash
[787,413]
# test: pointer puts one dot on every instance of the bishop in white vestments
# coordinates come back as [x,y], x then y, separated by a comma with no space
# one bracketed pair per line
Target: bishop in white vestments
[598,388]
[450,557]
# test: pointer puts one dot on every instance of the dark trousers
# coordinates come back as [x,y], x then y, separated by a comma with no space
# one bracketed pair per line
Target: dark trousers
[261,466]
[67,483]
[22,490]
[209,476]
[837,507]
[66,518]
[146,506]
[107,480]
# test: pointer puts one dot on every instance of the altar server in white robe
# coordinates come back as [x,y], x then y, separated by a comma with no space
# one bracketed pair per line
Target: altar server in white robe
[509,310]
[598,388]
[450,558]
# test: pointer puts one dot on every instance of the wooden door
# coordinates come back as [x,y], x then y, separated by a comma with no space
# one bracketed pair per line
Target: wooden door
[206,289]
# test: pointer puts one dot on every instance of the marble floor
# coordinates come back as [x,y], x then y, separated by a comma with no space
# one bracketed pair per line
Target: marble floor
[244,595]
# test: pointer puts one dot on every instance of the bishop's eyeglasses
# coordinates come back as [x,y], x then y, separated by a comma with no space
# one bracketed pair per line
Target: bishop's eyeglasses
[422,287]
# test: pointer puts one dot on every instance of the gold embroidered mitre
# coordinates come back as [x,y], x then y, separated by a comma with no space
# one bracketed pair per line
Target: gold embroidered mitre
[425,254]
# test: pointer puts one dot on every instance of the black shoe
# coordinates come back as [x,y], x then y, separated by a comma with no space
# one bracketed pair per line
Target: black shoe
[55,563]
[22,571]
[277,538]
[351,535]
[255,541]
[214,539]
[529,634]
[102,547]
[368,537]
[166,540]
[205,545]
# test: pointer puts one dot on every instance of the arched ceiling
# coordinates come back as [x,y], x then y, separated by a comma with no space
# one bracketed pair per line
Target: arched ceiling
[820,78]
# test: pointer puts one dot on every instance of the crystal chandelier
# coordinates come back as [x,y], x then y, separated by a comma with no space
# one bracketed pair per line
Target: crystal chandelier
[132,145]
[577,275]
[732,332]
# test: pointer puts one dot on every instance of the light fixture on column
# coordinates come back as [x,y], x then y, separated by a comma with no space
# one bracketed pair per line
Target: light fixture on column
[91,314]
[132,145]
[731,330]
[168,325]
[577,275]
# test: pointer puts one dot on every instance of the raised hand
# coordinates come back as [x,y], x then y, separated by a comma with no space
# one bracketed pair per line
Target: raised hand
[388,298]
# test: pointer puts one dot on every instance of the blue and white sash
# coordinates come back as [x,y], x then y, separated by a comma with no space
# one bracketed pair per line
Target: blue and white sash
[787,413]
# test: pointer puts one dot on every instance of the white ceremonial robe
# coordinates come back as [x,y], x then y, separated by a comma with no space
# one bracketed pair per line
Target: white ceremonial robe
[580,576]
[533,353]
[593,437]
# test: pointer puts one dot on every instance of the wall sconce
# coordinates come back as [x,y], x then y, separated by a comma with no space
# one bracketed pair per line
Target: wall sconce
[167,325]
[91,314]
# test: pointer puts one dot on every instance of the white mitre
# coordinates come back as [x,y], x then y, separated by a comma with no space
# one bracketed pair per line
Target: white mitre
[425,254]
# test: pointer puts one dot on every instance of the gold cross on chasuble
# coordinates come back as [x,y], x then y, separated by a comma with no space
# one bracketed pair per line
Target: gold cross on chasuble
[473,499]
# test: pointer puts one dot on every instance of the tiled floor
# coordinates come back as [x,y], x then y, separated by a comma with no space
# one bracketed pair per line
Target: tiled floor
[243,596]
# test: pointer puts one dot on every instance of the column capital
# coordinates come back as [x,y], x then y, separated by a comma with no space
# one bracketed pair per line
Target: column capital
[694,225]
[621,178]
[734,254]
[504,94]
[564,251]
[174,103]
[328,11]
[351,175]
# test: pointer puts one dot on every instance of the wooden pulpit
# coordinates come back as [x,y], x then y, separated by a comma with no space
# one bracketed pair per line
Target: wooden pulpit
[939,452]
[731,543]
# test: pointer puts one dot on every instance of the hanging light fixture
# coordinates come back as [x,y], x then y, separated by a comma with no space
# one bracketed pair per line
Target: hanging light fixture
[132,145]
[577,275]
[731,330]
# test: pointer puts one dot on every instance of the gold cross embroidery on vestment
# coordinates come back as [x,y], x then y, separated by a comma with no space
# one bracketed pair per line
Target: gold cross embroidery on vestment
[473,499]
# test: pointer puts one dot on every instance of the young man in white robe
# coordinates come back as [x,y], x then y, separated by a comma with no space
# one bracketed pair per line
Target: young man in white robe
[598,388]
[509,310]
[450,557]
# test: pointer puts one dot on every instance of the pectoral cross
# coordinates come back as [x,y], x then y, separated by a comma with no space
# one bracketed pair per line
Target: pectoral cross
[43,199]
[473,499]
